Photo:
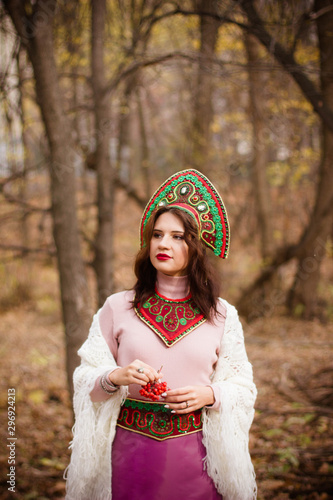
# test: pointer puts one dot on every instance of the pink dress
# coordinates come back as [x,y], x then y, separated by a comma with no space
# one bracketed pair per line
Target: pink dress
[142,468]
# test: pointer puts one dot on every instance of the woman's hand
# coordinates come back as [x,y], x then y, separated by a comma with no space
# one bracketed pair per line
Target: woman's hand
[190,398]
[135,373]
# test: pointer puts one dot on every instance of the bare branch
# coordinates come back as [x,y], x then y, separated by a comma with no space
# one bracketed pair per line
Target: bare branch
[131,193]
[321,12]
[287,61]
[121,74]
[179,11]
[25,250]
[29,208]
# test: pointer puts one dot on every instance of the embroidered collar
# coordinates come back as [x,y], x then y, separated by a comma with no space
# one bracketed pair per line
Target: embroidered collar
[170,319]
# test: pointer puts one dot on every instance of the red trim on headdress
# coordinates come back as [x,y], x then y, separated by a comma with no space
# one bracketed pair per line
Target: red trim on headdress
[187,208]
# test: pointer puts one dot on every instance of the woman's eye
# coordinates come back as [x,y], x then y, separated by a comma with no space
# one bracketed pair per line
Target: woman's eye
[177,237]
[156,235]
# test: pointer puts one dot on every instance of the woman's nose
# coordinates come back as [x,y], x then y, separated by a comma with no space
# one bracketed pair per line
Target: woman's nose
[164,242]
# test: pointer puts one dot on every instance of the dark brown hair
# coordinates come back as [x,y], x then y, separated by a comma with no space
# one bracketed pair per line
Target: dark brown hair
[203,282]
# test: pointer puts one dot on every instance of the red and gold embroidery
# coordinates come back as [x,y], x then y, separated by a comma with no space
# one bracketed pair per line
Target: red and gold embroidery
[155,421]
[170,319]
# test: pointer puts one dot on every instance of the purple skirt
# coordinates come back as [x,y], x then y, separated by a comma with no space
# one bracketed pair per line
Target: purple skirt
[146,469]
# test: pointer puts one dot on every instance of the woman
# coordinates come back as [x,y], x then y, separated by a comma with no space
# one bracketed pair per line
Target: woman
[191,441]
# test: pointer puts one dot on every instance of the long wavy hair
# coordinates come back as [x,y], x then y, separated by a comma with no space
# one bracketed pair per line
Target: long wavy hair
[203,281]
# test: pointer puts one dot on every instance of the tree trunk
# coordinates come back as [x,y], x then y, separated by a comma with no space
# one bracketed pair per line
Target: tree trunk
[21,63]
[36,32]
[103,262]
[145,154]
[303,293]
[124,153]
[260,159]
[310,250]
[203,109]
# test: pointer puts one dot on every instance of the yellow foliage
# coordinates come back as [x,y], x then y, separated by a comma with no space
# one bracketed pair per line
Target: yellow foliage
[301,169]
[195,42]
[285,103]
[37,396]
[235,117]
[228,150]
[277,172]
[54,463]
[311,154]
[277,235]
[47,305]
[215,126]
[230,39]
[176,33]
[295,169]
[38,359]
[307,55]
[329,250]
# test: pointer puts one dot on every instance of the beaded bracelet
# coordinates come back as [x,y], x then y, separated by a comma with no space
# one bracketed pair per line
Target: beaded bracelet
[106,385]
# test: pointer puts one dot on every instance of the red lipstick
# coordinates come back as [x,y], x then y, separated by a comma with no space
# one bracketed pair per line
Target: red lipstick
[163,256]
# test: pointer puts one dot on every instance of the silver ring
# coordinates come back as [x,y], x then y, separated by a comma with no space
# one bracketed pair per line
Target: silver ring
[140,370]
[186,404]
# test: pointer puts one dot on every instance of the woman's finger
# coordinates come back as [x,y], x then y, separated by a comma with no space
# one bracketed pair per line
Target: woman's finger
[147,370]
[189,398]
[136,372]
[141,373]
[180,395]
[183,407]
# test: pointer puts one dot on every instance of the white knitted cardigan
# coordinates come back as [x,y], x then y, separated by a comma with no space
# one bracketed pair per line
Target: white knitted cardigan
[225,432]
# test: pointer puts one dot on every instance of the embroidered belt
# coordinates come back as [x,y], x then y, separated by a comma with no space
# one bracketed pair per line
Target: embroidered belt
[155,421]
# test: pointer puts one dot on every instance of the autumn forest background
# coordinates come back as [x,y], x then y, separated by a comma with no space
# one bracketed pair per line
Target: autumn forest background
[101,101]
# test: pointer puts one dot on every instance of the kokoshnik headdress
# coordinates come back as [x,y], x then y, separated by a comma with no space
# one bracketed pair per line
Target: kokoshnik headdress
[192,192]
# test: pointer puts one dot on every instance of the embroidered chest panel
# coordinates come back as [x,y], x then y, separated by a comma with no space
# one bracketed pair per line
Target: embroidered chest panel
[171,320]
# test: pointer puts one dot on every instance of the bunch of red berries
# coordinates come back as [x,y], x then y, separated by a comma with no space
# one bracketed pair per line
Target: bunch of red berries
[153,390]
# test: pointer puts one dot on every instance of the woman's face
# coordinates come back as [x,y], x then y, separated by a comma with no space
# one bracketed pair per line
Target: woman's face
[168,249]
